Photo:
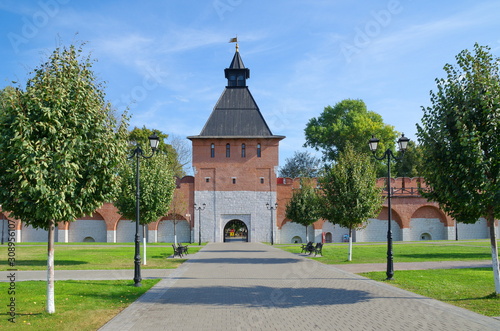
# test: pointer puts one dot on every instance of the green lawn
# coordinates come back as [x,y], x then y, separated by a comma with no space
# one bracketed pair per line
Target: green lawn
[90,257]
[403,252]
[467,288]
[80,305]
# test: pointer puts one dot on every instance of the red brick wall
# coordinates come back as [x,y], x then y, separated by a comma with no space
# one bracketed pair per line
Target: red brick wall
[246,171]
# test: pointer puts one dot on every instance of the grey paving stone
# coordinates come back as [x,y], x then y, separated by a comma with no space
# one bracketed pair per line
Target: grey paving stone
[247,286]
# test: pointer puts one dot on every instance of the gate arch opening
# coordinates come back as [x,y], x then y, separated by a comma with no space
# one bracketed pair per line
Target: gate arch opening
[235,230]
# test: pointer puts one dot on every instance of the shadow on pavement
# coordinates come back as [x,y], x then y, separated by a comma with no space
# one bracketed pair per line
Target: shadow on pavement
[259,296]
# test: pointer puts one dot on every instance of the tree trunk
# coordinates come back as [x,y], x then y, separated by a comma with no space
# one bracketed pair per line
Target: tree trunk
[175,233]
[349,256]
[51,307]
[144,244]
[494,251]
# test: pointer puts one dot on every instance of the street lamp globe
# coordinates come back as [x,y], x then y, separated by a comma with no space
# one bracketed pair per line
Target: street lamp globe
[373,144]
[403,143]
[154,140]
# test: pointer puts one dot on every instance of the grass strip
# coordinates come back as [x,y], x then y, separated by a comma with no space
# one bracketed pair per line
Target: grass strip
[91,258]
[472,289]
[80,305]
[408,252]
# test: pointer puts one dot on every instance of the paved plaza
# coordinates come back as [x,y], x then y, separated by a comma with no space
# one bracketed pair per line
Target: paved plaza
[251,286]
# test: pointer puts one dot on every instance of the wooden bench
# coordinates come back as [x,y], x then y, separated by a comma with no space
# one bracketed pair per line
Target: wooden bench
[177,251]
[318,249]
[310,248]
[184,249]
[307,248]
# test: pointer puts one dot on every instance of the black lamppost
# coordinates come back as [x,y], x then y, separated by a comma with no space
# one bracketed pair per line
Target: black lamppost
[3,222]
[138,154]
[403,143]
[199,209]
[272,208]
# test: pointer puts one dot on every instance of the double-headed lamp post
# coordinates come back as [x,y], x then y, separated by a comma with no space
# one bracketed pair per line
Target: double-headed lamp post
[272,209]
[138,154]
[199,209]
[403,143]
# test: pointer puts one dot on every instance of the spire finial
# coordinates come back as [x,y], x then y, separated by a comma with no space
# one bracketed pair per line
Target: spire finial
[235,40]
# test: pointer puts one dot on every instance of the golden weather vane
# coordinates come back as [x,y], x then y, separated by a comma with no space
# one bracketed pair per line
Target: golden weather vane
[234,40]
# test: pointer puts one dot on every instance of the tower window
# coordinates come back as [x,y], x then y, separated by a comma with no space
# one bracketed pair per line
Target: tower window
[262,180]
[207,179]
[212,150]
[228,150]
[243,150]
[234,180]
[240,81]
[259,150]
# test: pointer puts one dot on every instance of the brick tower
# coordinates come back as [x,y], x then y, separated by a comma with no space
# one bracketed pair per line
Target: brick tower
[235,158]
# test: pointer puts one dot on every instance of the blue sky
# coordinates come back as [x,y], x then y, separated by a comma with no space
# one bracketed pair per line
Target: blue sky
[165,59]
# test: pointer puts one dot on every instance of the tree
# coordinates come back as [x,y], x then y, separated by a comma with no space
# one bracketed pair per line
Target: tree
[157,183]
[60,146]
[184,155]
[350,195]
[460,139]
[302,164]
[141,135]
[410,165]
[348,122]
[303,207]
[178,206]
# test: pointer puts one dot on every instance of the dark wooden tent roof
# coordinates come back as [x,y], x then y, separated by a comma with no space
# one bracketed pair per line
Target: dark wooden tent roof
[236,113]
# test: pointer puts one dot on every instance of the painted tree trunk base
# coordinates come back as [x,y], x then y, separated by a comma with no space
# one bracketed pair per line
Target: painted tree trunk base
[51,307]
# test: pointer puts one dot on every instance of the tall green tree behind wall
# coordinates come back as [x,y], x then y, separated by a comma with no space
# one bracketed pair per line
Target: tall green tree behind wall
[60,146]
[348,122]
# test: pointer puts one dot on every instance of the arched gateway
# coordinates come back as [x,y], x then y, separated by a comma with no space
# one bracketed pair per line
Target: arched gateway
[235,230]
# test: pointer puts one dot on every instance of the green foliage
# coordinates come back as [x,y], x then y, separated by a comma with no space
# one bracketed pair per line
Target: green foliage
[60,144]
[411,163]
[141,136]
[157,185]
[460,138]
[302,164]
[303,207]
[348,121]
[349,192]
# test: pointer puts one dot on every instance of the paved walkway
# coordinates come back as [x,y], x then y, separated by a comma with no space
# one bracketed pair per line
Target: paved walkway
[164,273]
[246,286]
[85,274]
